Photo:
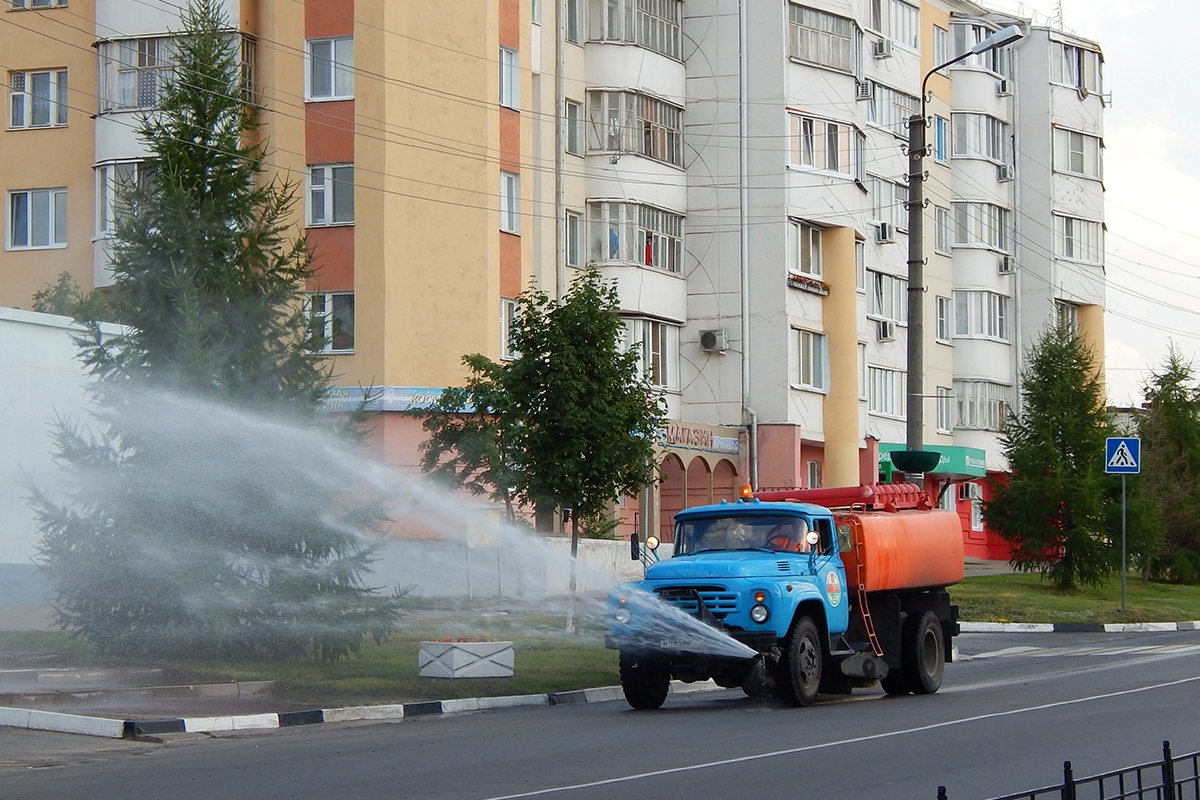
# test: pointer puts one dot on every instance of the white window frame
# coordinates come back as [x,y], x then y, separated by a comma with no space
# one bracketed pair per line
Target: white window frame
[891,108]
[326,185]
[982,315]
[981,224]
[897,20]
[886,392]
[340,66]
[945,410]
[981,136]
[573,239]
[1068,314]
[23,104]
[942,139]
[55,219]
[811,363]
[1078,153]
[1077,239]
[824,145]
[510,202]
[825,40]
[1080,68]
[656,25]
[944,331]
[814,476]
[981,405]
[21,5]
[635,233]
[328,311]
[573,142]
[133,72]
[508,317]
[806,257]
[964,36]
[657,345]
[510,78]
[108,187]
[943,230]
[889,298]
[631,122]
[860,266]
[941,45]
[888,202]
[573,29]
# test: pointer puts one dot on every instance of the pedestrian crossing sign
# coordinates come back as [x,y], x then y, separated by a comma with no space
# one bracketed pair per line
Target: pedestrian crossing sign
[1123,454]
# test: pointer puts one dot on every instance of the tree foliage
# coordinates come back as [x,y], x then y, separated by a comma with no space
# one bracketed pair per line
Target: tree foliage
[1053,508]
[66,298]
[206,512]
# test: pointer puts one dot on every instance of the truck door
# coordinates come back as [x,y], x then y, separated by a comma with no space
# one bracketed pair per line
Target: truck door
[831,576]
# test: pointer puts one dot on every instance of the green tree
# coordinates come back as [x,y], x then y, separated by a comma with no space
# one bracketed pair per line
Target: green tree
[587,416]
[194,523]
[1054,505]
[66,298]
[1170,432]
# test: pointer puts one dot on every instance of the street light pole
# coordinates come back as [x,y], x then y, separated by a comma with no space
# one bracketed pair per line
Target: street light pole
[913,459]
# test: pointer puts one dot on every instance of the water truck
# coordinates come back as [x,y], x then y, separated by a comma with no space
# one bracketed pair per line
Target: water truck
[799,592]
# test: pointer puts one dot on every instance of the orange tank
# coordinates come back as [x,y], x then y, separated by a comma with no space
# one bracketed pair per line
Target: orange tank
[908,549]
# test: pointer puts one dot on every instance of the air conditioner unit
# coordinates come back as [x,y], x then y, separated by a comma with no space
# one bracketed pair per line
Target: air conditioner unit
[883,48]
[864,90]
[970,491]
[1005,265]
[886,330]
[1004,173]
[714,341]
[1003,88]
[885,233]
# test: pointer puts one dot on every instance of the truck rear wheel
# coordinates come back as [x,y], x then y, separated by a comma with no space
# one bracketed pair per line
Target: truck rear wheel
[799,675]
[645,681]
[923,653]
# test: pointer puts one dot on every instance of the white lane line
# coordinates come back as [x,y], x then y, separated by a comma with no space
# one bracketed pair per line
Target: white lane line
[1008,651]
[1120,651]
[1064,651]
[826,745]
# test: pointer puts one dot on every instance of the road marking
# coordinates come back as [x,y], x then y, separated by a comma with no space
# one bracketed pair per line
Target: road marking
[826,745]
[1120,651]
[1008,651]
[1065,651]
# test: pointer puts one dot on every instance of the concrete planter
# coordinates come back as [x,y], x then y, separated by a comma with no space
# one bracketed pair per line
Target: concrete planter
[465,659]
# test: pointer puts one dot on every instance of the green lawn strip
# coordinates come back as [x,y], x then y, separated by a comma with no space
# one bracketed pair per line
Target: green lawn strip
[1026,597]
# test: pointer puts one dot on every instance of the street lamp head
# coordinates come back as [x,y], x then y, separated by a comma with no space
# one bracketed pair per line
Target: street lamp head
[1000,38]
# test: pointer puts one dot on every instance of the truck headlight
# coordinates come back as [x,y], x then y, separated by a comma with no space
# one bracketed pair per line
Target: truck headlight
[760,613]
[622,615]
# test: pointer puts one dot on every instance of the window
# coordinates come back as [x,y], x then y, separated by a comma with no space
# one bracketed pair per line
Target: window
[860,265]
[510,202]
[941,45]
[944,319]
[574,239]
[37,218]
[806,249]
[1068,314]
[888,202]
[821,38]
[862,370]
[981,225]
[573,33]
[811,361]
[510,78]
[890,299]
[331,317]
[1075,66]
[331,194]
[981,315]
[948,498]
[36,3]
[941,138]
[627,122]
[943,231]
[824,145]
[1076,153]
[885,394]
[574,128]
[330,69]
[508,318]
[945,410]
[981,405]
[814,474]
[39,99]
[891,109]
[981,136]
[656,343]
[653,24]
[967,36]
[133,72]
[535,12]
[1078,239]
[635,233]
[896,20]
[113,181]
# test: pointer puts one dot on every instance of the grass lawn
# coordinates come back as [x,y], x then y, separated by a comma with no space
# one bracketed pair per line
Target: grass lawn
[1026,597]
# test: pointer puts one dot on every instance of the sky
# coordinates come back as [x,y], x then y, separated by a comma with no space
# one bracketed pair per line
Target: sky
[1151,177]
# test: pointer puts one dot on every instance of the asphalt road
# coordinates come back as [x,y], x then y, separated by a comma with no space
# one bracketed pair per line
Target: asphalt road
[1005,720]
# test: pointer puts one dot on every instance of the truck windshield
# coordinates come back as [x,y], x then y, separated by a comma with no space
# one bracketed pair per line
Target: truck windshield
[781,533]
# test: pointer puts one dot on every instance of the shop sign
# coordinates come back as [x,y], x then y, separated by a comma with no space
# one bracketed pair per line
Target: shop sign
[679,435]
[383,398]
[955,460]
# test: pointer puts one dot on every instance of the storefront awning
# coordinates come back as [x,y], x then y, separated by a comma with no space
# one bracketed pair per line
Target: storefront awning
[956,462]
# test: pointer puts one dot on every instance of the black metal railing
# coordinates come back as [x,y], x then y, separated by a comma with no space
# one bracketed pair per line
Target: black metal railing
[1172,778]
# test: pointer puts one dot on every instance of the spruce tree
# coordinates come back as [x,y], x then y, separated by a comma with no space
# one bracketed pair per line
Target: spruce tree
[1053,507]
[206,511]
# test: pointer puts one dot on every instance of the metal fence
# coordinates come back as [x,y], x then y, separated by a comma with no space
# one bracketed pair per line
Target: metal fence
[1171,778]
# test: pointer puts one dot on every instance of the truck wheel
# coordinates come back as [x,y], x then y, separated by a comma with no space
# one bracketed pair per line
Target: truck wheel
[645,682]
[923,653]
[799,675]
[895,682]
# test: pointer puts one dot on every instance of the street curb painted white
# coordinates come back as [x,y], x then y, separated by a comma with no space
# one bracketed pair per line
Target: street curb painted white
[61,723]
[1006,627]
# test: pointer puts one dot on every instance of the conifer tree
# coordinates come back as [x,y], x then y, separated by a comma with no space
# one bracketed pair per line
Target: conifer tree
[205,513]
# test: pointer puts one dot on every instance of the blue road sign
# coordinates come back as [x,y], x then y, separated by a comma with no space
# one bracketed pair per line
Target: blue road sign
[1123,454]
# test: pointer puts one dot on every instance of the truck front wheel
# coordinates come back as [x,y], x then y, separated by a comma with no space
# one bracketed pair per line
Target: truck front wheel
[645,681]
[923,653]
[799,675]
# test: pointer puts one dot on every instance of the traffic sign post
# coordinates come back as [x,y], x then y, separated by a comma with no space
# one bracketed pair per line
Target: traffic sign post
[1123,456]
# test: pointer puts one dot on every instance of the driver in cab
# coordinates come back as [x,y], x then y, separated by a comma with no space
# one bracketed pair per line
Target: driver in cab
[789,537]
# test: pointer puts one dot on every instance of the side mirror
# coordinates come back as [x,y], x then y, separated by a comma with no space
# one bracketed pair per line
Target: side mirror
[635,550]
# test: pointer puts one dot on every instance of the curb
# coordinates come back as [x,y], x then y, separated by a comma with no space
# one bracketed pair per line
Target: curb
[1077,627]
[152,730]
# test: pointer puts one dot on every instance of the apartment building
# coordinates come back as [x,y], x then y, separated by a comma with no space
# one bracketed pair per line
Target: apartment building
[738,169]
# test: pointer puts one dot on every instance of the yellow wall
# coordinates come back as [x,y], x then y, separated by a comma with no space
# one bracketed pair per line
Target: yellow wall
[839,313]
[50,157]
[1091,330]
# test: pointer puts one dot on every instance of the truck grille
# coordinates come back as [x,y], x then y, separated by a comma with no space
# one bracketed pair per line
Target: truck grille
[717,599]
[784,566]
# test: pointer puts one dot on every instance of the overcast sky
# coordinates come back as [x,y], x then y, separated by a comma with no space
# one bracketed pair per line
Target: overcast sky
[1151,174]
